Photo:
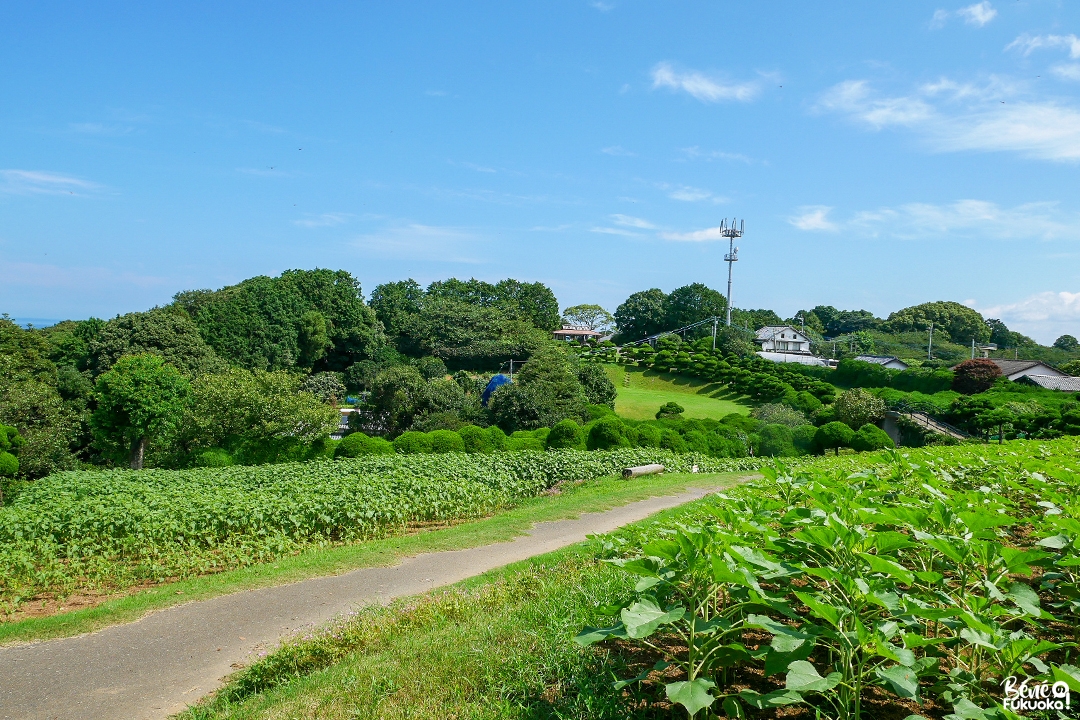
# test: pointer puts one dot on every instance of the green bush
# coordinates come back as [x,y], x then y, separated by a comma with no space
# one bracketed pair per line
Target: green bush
[214,457]
[870,437]
[606,433]
[497,437]
[648,436]
[444,441]
[566,434]
[358,444]
[834,435]
[596,412]
[776,441]
[9,464]
[521,443]
[802,438]
[476,439]
[671,440]
[412,443]
[669,409]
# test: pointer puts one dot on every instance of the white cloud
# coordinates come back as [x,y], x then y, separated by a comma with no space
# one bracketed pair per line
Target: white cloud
[968,218]
[37,182]
[695,236]
[701,86]
[602,6]
[436,93]
[614,231]
[813,217]
[630,221]
[696,153]
[617,150]
[478,168]
[412,241]
[1067,71]
[689,194]
[1044,316]
[1027,44]
[978,14]
[324,220]
[1044,130]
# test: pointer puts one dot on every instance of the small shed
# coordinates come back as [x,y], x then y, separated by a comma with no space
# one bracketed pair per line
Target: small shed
[889,361]
[573,332]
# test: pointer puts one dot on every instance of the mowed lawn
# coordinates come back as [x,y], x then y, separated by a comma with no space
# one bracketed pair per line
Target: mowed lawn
[647,390]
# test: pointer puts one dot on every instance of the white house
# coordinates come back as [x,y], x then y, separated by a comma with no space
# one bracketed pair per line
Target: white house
[782,339]
[1016,369]
[889,361]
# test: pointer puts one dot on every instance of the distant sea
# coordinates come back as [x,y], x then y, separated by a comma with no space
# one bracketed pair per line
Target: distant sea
[36,322]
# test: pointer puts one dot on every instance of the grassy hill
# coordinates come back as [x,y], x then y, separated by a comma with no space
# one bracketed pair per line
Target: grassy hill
[642,392]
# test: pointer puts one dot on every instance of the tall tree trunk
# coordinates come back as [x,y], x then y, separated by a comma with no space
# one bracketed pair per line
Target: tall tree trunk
[138,449]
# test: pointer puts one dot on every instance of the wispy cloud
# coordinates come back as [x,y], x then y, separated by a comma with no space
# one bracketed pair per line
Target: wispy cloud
[1067,71]
[813,217]
[702,86]
[614,231]
[978,15]
[618,151]
[324,220]
[960,219]
[38,182]
[696,153]
[443,244]
[602,6]
[688,193]
[477,168]
[94,128]
[706,235]
[1027,44]
[630,221]
[436,93]
[954,117]
[1045,316]
[40,275]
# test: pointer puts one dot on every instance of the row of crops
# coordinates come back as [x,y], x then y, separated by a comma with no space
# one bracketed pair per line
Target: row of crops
[912,587]
[110,529]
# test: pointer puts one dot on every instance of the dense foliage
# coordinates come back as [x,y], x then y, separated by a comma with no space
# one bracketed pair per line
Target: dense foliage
[915,585]
[115,528]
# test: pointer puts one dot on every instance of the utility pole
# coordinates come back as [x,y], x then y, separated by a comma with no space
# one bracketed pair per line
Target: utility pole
[730,232]
[930,345]
[972,348]
[714,321]
[511,369]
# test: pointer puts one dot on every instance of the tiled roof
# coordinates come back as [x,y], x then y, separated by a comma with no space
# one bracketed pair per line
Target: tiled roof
[1053,382]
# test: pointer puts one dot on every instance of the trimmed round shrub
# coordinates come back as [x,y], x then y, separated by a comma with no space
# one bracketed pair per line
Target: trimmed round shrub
[598,411]
[697,441]
[776,441]
[412,443]
[444,441]
[834,435]
[476,439]
[541,434]
[214,457]
[606,433]
[9,464]
[870,437]
[521,443]
[648,436]
[671,440]
[802,438]
[497,437]
[566,434]
[358,444]
[670,409]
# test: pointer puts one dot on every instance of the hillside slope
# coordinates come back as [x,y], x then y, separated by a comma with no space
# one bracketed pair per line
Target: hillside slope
[642,392]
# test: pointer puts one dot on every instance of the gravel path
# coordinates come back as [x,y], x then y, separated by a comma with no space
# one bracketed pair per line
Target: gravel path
[162,663]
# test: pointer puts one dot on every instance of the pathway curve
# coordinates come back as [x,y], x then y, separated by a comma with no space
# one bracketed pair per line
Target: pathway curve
[160,664]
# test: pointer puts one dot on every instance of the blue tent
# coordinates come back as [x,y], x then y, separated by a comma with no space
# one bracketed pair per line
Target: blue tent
[494,384]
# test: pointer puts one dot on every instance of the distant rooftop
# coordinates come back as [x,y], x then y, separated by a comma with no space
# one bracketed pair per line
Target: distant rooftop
[1053,382]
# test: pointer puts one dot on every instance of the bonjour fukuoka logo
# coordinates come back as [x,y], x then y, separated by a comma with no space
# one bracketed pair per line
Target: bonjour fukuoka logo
[1026,696]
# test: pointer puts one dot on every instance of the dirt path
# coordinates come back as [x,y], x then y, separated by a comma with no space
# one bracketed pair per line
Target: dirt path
[162,663]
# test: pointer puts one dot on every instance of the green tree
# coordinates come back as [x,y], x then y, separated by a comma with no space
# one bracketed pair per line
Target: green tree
[139,398]
[399,394]
[546,391]
[1070,368]
[995,421]
[975,376]
[689,304]
[779,414]
[395,303]
[312,337]
[755,319]
[167,332]
[593,317]
[327,386]
[471,336]
[431,367]
[642,314]
[1067,343]
[834,435]
[670,410]
[958,322]
[599,390]
[776,441]
[870,437]
[857,407]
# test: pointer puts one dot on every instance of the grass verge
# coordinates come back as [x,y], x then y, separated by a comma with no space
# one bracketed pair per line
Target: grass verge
[495,646]
[590,496]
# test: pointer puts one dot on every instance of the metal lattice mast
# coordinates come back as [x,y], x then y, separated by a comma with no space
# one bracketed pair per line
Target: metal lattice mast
[731,232]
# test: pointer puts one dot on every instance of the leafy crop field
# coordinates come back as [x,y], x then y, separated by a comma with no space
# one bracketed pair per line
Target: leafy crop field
[79,531]
[915,586]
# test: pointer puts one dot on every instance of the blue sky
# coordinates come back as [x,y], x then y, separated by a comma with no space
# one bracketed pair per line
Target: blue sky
[882,154]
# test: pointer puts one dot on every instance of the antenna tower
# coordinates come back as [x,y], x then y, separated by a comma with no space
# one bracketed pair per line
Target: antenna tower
[731,232]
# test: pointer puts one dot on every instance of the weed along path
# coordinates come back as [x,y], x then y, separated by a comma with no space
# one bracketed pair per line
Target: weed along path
[166,661]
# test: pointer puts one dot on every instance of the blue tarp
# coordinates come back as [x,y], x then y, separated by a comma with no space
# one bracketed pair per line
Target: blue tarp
[494,384]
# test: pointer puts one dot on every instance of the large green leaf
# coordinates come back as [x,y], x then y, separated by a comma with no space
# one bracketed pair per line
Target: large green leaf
[693,695]
[1026,599]
[903,681]
[888,567]
[776,698]
[643,617]
[804,677]
[828,613]
[590,635]
[1068,674]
